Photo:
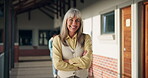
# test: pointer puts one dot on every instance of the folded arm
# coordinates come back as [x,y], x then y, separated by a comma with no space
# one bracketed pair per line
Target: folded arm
[84,62]
[58,61]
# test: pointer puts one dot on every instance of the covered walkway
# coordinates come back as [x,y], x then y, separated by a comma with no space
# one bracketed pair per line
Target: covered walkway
[32,67]
[119,34]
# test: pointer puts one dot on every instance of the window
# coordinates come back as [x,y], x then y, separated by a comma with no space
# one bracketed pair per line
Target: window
[25,37]
[108,21]
[44,37]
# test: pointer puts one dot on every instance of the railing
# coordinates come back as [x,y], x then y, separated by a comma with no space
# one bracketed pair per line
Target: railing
[2,65]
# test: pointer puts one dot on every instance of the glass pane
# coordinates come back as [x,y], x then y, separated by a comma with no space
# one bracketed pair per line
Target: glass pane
[44,37]
[25,39]
[108,23]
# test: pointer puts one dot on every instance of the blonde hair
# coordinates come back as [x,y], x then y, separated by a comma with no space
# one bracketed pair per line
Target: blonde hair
[64,31]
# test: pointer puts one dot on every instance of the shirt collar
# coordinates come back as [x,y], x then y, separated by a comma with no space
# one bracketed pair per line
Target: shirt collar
[74,37]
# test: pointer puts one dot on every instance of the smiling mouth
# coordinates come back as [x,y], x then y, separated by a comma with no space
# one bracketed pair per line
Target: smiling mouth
[73,27]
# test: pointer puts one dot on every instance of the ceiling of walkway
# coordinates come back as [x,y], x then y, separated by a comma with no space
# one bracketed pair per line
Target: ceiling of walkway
[49,7]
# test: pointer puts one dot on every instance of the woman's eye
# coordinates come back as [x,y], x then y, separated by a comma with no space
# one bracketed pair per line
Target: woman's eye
[77,20]
[70,20]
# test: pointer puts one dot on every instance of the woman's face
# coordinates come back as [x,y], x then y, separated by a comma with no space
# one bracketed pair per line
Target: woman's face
[73,24]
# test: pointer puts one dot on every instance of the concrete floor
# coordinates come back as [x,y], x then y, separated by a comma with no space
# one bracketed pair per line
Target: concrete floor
[32,67]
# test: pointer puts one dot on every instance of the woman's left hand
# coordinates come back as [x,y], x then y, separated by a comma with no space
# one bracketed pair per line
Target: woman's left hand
[84,53]
[66,60]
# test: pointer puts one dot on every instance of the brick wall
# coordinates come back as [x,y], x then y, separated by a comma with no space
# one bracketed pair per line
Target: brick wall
[34,52]
[16,53]
[104,67]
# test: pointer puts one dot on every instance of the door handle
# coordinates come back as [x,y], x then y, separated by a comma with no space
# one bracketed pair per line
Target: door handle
[124,49]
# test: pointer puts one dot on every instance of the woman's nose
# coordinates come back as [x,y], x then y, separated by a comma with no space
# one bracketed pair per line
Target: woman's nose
[74,22]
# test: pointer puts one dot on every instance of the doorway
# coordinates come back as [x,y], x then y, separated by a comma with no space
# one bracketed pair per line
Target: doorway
[126,42]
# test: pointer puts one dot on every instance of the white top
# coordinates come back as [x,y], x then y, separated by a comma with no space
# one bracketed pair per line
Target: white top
[69,53]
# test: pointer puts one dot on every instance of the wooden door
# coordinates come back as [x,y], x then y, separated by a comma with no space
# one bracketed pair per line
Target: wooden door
[126,41]
[146,40]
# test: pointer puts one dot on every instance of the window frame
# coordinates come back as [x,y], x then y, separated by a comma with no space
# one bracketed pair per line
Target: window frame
[110,36]
[103,23]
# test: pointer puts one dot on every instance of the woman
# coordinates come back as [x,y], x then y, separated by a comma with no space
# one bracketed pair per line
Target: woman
[72,50]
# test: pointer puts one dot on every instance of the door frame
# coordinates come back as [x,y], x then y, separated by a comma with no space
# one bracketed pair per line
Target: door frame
[134,40]
[145,49]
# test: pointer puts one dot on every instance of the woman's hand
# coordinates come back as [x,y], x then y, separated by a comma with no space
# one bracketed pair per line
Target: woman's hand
[66,60]
[84,53]
[79,68]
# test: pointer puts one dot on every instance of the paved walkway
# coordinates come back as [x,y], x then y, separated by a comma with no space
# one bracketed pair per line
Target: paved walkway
[32,67]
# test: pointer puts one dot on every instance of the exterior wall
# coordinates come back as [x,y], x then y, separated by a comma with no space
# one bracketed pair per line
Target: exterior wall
[34,52]
[97,7]
[104,67]
[57,21]
[105,43]
[38,21]
[106,48]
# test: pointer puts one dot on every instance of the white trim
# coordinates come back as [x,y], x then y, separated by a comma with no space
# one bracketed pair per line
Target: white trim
[134,41]
[118,37]
[87,23]
[107,37]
